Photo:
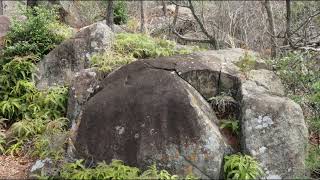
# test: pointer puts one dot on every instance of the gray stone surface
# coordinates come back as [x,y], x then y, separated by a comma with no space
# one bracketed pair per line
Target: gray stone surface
[72,55]
[147,114]
[145,106]
[4,28]
[273,131]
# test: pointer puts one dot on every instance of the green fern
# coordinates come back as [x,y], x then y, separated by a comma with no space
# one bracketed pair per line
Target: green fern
[115,170]
[231,124]
[10,108]
[238,166]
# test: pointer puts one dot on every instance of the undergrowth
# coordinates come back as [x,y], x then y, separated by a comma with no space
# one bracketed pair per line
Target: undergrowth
[28,114]
[247,62]
[300,74]
[239,166]
[115,170]
[37,35]
[129,47]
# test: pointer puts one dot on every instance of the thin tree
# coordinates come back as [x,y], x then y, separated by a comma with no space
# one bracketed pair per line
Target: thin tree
[109,17]
[164,7]
[288,22]
[142,23]
[1,7]
[271,28]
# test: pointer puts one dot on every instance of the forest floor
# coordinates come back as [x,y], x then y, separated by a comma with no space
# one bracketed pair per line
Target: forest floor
[12,167]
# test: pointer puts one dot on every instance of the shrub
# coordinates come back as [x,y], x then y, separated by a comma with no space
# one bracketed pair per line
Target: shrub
[120,13]
[247,62]
[297,72]
[238,166]
[35,34]
[313,160]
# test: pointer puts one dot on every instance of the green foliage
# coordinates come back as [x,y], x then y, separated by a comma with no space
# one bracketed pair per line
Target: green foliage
[247,62]
[51,142]
[10,108]
[143,46]
[300,75]
[154,173]
[238,166]
[297,72]
[231,124]
[115,170]
[20,68]
[109,61]
[313,160]
[128,47]
[2,136]
[62,31]
[120,12]
[32,114]
[34,35]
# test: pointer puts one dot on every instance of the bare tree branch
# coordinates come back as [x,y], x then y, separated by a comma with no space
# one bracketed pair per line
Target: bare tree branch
[189,39]
[213,41]
[306,21]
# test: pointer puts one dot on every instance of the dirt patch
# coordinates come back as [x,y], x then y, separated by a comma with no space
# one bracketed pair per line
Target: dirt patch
[14,167]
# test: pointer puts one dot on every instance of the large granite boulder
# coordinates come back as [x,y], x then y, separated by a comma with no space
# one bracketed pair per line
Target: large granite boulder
[273,127]
[72,55]
[147,115]
[156,111]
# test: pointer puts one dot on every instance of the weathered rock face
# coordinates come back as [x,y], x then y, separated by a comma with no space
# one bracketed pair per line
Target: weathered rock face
[273,127]
[4,28]
[82,87]
[155,111]
[11,8]
[78,14]
[71,56]
[146,114]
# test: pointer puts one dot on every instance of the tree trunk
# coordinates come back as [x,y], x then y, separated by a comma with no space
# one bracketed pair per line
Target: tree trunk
[32,3]
[175,17]
[109,18]
[1,7]
[142,23]
[271,28]
[164,7]
[288,22]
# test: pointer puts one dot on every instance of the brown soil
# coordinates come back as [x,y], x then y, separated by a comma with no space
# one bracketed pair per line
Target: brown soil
[12,167]
[232,139]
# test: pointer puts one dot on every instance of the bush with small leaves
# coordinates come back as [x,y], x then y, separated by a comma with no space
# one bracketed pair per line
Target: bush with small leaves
[120,13]
[34,35]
